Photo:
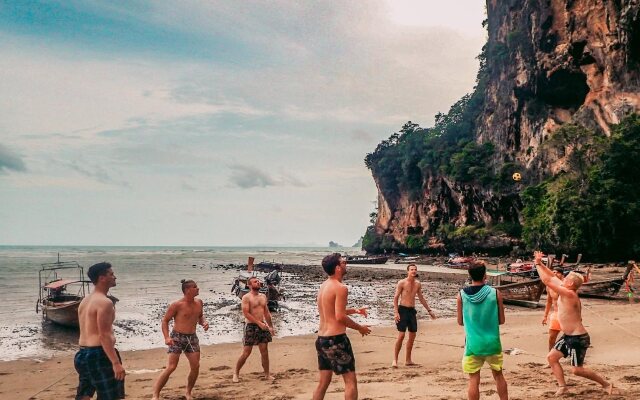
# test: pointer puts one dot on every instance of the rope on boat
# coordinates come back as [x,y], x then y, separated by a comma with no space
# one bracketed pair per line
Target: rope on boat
[51,385]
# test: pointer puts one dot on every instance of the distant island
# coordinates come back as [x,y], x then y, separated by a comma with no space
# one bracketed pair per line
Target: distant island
[334,244]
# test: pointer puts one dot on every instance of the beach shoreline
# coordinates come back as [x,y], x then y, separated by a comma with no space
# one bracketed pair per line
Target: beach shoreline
[438,349]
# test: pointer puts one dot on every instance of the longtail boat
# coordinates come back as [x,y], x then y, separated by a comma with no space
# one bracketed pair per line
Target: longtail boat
[60,296]
[517,290]
[605,288]
[367,259]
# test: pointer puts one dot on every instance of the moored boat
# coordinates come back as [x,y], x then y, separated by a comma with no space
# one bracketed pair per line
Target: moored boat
[605,288]
[60,296]
[460,262]
[367,259]
[517,289]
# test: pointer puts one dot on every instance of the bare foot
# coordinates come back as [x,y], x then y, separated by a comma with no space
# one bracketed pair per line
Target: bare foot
[394,364]
[608,389]
[270,378]
[561,390]
[155,397]
[235,378]
[188,396]
[411,364]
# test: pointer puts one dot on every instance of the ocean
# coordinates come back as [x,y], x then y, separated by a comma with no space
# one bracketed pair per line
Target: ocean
[148,279]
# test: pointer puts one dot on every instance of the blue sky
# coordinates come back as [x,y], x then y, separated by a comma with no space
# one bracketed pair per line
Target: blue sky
[214,123]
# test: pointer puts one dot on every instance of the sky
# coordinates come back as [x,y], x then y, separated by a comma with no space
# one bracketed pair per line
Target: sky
[214,123]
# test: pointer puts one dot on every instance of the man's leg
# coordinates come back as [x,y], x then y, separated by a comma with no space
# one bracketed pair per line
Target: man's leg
[553,358]
[473,390]
[553,337]
[323,384]
[589,374]
[172,363]
[350,386]
[409,348]
[246,352]
[501,384]
[194,365]
[264,355]
[399,341]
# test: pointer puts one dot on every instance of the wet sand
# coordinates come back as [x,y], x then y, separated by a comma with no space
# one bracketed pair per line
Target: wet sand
[613,325]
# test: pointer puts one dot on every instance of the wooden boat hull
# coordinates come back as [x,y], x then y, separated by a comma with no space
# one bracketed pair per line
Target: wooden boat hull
[65,314]
[606,288]
[368,260]
[525,293]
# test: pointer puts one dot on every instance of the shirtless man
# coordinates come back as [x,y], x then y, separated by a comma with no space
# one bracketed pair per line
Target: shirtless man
[98,362]
[551,310]
[258,329]
[405,312]
[186,314]
[575,341]
[335,354]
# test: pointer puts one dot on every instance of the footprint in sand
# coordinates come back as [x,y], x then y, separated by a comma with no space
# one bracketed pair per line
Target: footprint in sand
[220,368]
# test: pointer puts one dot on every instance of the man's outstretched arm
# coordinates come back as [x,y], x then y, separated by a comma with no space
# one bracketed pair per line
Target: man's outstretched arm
[341,312]
[547,276]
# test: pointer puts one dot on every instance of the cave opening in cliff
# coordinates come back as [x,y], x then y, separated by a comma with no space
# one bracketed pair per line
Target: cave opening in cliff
[564,88]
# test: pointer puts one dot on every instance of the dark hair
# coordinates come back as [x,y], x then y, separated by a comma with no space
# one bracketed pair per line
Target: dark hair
[330,262]
[411,265]
[477,272]
[187,283]
[558,269]
[98,270]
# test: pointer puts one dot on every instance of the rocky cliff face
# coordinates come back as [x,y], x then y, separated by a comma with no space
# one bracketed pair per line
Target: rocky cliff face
[549,62]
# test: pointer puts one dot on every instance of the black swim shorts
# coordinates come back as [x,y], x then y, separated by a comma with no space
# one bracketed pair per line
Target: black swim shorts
[184,342]
[408,319]
[96,375]
[254,335]
[335,354]
[574,346]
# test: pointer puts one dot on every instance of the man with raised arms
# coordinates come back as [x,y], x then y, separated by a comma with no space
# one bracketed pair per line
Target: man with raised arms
[335,355]
[258,329]
[186,313]
[405,312]
[575,340]
[98,362]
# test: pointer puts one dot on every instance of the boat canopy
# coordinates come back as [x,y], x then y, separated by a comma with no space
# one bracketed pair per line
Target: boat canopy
[60,283]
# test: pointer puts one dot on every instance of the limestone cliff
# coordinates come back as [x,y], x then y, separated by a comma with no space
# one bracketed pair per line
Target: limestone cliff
[548,62]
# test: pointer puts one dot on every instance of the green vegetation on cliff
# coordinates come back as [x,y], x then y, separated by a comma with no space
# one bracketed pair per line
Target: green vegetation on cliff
[594,207]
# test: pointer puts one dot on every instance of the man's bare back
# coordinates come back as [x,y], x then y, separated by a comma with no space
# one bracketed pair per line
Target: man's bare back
[327,296]
[93,308]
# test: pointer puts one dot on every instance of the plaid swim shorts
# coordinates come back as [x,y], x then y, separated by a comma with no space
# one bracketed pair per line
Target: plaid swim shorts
[96,374]
[184,342]
[254,335]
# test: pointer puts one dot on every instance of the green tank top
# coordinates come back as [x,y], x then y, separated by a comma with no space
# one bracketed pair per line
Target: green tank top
[481,323]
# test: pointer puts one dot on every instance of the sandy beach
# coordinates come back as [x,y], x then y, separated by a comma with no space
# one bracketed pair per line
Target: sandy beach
[615,351]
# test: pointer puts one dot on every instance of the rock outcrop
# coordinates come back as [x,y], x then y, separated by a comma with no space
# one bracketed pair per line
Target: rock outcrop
[549,62]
